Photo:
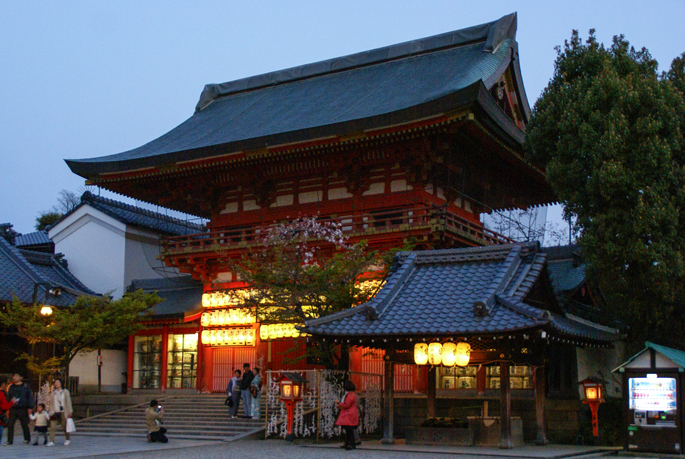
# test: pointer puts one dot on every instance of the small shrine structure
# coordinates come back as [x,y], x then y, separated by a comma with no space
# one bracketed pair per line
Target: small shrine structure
[498,300]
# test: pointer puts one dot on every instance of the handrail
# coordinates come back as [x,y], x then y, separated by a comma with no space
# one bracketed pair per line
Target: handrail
[360,224]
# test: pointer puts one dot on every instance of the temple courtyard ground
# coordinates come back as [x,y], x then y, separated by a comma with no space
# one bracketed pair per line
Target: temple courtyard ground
[130,447]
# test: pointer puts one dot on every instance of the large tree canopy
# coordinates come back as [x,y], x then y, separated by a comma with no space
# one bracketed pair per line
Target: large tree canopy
[609,131]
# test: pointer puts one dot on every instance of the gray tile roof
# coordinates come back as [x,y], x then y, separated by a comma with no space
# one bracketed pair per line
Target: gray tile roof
[377,88]
[565,270]
[33,239]
[21,270]
[458,292]
[136,216]
[182,295]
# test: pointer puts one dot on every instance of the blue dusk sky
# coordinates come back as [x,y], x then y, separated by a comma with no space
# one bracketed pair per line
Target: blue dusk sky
[82,79]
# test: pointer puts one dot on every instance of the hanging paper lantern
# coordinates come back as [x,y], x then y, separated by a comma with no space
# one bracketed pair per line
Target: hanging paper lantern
[263,332]
[204,319]
[434,353]
[212,338]
[205,336]
[463,354]
[449,359]
[421,353]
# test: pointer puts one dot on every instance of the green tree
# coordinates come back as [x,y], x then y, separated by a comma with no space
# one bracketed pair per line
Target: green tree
[66,202]
[304,270]
[47,218]
[92,322]
[608,129]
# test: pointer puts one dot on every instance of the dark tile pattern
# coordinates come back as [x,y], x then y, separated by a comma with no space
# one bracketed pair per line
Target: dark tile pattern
[433,293]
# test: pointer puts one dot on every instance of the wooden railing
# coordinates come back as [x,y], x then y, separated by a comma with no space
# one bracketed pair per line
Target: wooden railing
[358,225]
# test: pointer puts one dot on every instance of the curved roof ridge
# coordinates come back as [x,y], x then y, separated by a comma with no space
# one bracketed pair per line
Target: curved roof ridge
[494,33]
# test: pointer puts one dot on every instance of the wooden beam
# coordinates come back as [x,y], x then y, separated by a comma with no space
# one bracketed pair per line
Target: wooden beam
[539,381]
[430,392]
[389,401]
[505,441]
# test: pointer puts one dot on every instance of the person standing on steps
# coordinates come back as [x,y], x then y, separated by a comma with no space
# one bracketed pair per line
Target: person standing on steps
[153,419]
[248,376]
[60,410]
[21,409]
[233,391]
[255,391]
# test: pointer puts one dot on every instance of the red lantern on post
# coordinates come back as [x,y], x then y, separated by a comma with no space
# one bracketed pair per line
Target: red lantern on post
[291,387]
[593,395]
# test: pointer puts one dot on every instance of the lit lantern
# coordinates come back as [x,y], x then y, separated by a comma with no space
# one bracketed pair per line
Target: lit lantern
[204,319]
[449,358]
[421,353]
[434,353]
[592,389]
[212,338]
[263,332]
[227,337]
[280,331]
[205,299]
[46,310]
[205,336]
[272,331]
[463,354]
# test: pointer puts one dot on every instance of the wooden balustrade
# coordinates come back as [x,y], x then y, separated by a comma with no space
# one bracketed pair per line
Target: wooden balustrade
[362,225]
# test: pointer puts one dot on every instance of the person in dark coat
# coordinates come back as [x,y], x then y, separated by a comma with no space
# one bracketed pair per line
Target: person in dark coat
[349,414]
[248,376]
[20,411]
[233,391]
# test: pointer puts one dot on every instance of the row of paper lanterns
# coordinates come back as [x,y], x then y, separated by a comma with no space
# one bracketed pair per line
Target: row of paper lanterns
[231,316]
[448,354]
[275,331]
[229,337]
[224,298]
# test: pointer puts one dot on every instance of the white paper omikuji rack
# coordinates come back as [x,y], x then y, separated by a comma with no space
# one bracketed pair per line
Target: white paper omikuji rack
[318,410]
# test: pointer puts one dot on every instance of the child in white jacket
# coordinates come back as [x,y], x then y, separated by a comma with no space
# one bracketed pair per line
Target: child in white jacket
[42,419]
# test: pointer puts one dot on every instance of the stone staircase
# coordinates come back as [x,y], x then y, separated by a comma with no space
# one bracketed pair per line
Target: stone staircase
[192,417]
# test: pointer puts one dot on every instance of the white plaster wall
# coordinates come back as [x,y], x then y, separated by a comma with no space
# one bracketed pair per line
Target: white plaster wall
[94,246]
[85,366]
[598,362]
[142,250]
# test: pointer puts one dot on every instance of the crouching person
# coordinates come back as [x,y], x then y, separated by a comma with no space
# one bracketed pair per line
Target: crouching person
[153,419]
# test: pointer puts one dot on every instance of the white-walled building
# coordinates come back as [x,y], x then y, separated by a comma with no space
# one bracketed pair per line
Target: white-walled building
[108,244]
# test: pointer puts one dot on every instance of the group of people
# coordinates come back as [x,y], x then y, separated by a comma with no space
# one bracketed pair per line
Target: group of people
[17,404]
[245,386]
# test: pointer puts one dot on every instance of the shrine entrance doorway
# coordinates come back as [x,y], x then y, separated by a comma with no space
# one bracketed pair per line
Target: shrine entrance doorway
[224,361]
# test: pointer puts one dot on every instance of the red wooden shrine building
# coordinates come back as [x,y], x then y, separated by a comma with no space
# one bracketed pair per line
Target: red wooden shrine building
[414,140]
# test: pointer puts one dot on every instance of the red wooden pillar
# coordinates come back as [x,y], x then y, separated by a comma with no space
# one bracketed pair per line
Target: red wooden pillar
[129,371]
[165,357]
[505,441]
[539,382]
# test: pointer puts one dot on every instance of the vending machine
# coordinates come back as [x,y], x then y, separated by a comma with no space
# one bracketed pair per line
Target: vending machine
[653,386]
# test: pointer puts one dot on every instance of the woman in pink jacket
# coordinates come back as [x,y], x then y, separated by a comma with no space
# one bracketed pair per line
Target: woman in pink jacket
[349,415]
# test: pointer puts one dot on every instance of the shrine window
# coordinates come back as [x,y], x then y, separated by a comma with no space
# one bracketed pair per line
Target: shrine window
[147,362]
[520,377]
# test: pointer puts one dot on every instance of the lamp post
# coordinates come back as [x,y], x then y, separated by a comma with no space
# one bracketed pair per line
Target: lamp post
[291,386]
[593,395]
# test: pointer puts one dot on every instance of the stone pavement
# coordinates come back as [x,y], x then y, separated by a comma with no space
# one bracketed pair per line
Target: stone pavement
[131,447]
